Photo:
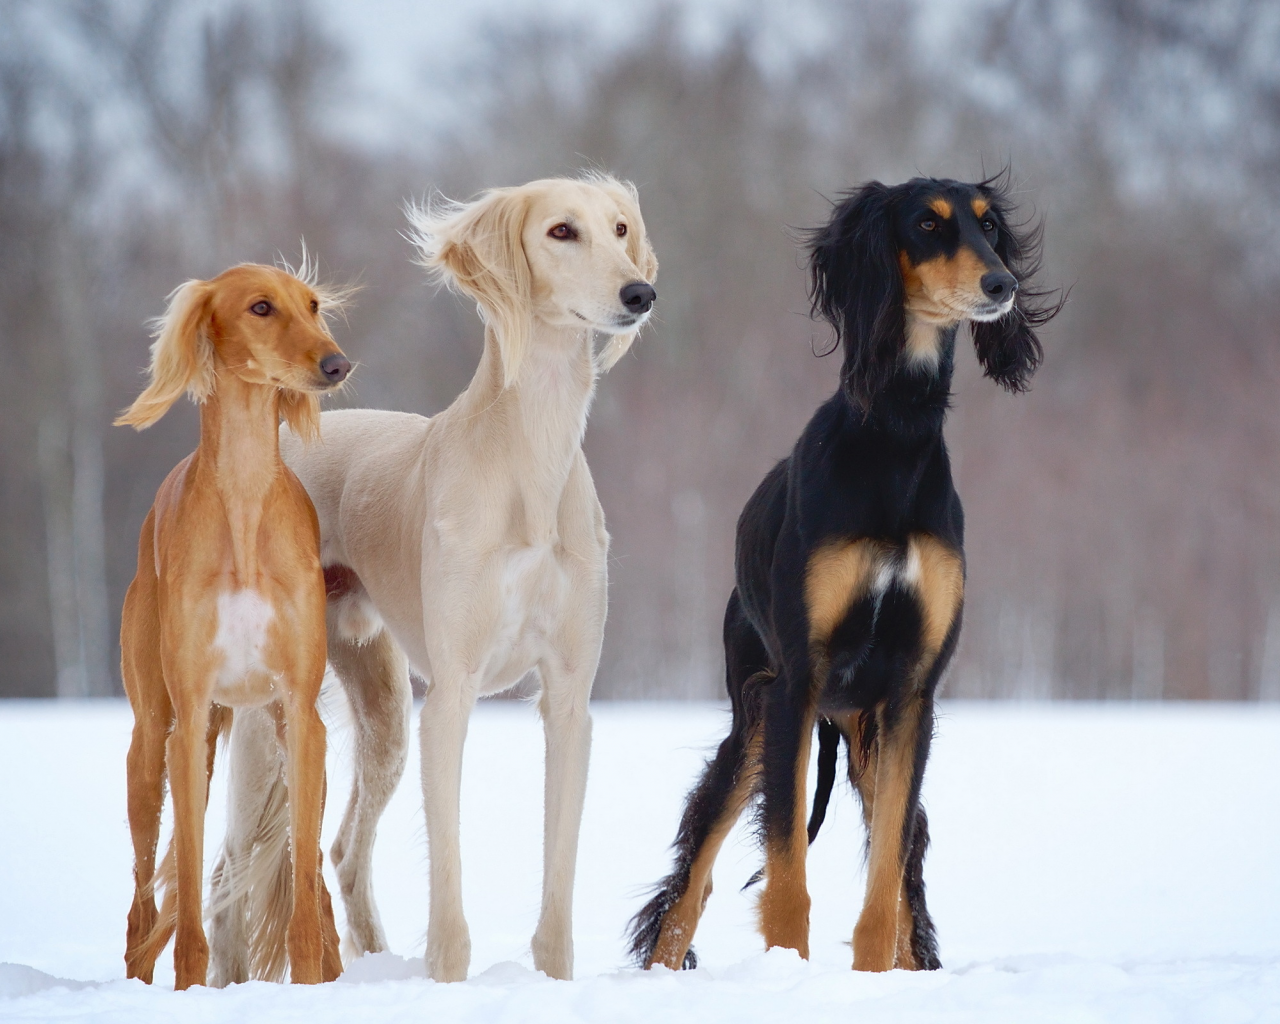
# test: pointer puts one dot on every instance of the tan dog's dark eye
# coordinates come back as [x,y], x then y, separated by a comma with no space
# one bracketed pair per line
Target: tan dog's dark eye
[260,308]
[563,232]
[622,231]
[928,225]
[315,306]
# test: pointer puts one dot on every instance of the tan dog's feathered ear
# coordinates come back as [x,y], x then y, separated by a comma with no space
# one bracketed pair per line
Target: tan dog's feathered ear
[477,249]
[641,253]
[181,357]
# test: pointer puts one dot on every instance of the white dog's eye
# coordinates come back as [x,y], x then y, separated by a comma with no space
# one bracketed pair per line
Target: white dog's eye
[260,308]
[622,231]
[563,232]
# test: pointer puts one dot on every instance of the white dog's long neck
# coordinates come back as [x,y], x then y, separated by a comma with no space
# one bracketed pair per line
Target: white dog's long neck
[532,429]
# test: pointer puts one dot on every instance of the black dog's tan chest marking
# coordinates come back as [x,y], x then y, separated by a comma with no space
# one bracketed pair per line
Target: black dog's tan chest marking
[843,572]
[839,574]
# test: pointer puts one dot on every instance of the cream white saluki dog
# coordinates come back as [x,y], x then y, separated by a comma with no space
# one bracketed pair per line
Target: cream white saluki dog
[472,545]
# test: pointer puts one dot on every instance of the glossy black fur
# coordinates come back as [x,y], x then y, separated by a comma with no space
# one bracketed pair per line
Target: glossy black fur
[871,464]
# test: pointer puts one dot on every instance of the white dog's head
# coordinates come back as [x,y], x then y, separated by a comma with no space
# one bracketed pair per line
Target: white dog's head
[566,252]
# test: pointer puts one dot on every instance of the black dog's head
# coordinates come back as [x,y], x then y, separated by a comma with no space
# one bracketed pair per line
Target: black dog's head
[897,264]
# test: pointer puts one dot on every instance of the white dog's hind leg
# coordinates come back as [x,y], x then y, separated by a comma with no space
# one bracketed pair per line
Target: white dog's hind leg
[254,799]
[375,676]
[567,724]
[444,731]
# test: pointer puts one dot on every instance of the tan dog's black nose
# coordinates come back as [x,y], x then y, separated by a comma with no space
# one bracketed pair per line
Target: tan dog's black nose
[638,297]
[999,285]
[335,368]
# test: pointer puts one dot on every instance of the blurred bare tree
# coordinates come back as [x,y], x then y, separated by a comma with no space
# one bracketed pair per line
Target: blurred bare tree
[1123,517]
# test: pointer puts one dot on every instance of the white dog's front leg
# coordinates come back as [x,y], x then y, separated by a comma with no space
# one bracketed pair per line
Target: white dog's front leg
[444,730]
[567,724]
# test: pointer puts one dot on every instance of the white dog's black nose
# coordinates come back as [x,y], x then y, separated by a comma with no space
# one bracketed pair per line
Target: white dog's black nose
[999,285]
[638,297]
[335,368]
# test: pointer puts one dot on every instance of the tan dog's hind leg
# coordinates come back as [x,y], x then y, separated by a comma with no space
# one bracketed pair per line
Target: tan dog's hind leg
[331,961]
[375,677]
[153,717]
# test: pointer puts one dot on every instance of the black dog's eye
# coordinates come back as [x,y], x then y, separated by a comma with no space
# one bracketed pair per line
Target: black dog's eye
[988,224]
[563,232]
[261,309]
[622,231]
[928,224]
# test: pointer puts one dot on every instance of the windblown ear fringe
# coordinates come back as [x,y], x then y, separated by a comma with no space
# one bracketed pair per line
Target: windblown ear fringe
[181,357]
[475,248]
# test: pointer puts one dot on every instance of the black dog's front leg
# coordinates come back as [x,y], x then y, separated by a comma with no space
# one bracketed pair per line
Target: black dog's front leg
[788,729]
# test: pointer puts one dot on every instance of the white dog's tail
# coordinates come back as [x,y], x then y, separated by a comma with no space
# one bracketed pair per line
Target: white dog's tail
[251,891]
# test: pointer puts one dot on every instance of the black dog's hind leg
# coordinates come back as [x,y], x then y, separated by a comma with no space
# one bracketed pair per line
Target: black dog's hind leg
[916,936]
[662,931]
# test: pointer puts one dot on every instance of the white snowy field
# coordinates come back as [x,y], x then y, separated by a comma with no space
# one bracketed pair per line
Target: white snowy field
[1090,863]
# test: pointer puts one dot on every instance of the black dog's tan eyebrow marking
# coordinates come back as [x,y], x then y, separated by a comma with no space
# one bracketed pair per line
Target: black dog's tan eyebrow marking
[941,207]
[980,206]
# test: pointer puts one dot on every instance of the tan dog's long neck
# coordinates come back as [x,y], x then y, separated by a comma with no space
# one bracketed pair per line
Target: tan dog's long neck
[240,451]
[531,431]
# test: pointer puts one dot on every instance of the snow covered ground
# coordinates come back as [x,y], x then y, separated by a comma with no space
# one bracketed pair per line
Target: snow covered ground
[1090,863]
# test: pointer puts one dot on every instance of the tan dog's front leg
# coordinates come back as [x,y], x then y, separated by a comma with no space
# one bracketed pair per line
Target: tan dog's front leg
[305,738]
[187,755]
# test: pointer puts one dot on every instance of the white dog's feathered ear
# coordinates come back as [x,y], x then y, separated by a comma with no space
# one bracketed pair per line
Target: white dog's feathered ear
[640,252]
[477,248]
[181,357]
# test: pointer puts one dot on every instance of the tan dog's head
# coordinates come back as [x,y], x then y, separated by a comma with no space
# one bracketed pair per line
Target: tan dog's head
[571,253]
[264,324]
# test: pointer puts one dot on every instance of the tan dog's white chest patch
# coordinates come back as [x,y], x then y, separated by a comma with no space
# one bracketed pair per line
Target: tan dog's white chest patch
[241,638]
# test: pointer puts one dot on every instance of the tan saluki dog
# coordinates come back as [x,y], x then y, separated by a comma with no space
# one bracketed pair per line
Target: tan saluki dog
[227,608]
[473,542]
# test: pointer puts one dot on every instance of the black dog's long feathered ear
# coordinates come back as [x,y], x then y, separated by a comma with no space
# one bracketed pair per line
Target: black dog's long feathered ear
[1008,348]
[856,285]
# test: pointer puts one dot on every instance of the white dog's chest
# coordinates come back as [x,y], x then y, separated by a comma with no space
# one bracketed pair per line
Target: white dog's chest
[532,586]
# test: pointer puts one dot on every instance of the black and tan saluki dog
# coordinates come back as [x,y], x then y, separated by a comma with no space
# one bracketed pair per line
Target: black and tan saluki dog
[850,567]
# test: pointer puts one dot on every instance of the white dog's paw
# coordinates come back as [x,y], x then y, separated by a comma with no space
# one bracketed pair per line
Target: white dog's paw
[448,960]
[553,957]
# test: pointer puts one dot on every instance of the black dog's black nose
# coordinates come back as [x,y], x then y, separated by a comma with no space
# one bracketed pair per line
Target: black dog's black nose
[999,285]
[335,368]
[638,296]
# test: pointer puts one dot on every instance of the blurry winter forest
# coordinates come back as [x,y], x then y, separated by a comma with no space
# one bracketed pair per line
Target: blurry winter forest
[1123,518]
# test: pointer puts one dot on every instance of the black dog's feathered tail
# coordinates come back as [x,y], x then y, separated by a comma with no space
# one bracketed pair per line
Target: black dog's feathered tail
[828,747]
